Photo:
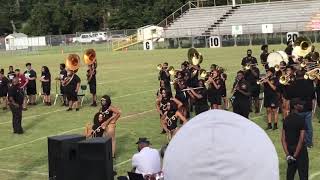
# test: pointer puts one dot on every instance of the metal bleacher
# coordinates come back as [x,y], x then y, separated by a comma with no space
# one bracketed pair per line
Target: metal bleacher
[285,16]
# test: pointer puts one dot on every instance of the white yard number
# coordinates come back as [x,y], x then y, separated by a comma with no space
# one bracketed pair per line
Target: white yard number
[292,36]
[214,42]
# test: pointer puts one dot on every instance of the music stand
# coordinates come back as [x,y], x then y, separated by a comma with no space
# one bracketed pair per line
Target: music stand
[135,176]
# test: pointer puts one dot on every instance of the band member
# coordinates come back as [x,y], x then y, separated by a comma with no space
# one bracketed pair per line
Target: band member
[91,77]
[23,81]
[287,91]
[4,85]
[99,126]
[183,97]
[170,120]
[46,84]
[11,73]
[62,76]
[72,86]
[241,96]
[304,90]
[15,97]
[214,90]
[113,114]
[249,59]
[161,103]
[224,91]
[252,76]
[165,76]
[292,138]
[162,86]
[271,101]
[289,50]
[264,56]
[31,75]
[194,71]
[201,98]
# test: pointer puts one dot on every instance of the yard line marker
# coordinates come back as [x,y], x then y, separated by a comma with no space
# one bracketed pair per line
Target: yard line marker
[314,175]
[44,137]
[50,112]
[18,171]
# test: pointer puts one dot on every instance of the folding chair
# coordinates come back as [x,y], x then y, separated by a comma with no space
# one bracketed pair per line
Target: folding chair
[58,94]
[82,93]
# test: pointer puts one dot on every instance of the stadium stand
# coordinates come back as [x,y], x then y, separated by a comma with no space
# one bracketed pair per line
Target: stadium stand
[285,16]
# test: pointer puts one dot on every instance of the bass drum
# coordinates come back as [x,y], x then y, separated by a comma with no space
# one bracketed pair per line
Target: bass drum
[275,58]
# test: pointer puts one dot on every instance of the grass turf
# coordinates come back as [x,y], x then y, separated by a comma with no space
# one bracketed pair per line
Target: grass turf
[130,78]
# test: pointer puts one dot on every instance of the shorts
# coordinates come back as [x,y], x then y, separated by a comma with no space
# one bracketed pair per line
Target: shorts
[62,90]
[255,91]
[93,88]
[271,102]
[31,91]
[72,96]
[46,90]
[216,99]
[200,109]
[224,93]
[3,92]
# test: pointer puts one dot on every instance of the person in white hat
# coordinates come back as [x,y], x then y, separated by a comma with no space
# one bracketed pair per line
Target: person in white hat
[221,145]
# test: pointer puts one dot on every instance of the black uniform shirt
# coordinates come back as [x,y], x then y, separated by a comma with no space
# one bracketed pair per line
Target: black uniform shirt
[288,51]
[292,126]
[31,74]
[73,83]
[264,57]
[204,100]
[4,84]
[249,60]
[93,78]
[46,76]
[16,93]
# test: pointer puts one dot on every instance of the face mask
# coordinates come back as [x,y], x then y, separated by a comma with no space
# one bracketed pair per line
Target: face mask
[249,55]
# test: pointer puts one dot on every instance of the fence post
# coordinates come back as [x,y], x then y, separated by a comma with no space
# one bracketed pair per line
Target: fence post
[250,40]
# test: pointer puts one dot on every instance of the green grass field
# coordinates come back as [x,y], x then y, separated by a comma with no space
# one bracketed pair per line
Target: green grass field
[130,78]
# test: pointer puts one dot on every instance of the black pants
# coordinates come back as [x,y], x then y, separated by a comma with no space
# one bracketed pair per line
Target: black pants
[16,118]
[241,107]
[302,165]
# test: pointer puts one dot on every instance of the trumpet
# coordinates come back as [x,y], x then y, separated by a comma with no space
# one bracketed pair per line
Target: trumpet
[204,74]
[279,67]
[312,74]
[285,79]
[248,66]
[262,80]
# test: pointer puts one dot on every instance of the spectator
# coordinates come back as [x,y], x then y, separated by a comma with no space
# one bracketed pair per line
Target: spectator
[147,160]
[219,145]
[292,139]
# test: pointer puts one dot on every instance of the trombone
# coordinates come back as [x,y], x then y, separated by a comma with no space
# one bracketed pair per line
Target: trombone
[189,89]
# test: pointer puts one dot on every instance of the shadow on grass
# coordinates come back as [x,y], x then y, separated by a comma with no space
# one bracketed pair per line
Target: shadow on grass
[31,165]
[31,124]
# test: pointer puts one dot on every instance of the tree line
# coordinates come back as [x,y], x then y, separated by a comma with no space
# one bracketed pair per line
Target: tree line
[52,17]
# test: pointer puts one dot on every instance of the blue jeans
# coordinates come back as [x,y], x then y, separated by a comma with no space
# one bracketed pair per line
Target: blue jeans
[307,116]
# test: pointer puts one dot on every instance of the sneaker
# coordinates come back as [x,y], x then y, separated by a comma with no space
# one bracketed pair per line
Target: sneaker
[49,104]
[94,104]
[69,109]
[77,109]
[4,108]
[269,126]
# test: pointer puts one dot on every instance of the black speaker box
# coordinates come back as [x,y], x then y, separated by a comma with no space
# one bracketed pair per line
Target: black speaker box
[95,156]
[63,157]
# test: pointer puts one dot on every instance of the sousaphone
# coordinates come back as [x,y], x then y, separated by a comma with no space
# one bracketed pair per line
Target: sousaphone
[89,57]
[73,62]
[302,47]
[194,57]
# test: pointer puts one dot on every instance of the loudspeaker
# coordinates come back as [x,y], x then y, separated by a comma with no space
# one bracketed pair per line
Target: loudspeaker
[63,156]
[95,156]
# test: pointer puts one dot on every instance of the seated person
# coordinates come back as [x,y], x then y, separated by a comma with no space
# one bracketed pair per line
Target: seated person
[147,161]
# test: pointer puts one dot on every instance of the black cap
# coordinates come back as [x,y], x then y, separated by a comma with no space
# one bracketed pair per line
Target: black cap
[143,140]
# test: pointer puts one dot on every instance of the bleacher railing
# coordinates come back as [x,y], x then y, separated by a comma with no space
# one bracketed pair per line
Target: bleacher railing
[176,14]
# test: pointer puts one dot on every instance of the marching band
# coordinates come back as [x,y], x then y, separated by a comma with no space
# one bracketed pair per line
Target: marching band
[289,74]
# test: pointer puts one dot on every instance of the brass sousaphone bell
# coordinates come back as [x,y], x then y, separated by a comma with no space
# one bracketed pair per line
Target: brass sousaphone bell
[194,57]
[89,57]
[302,47]
[73,62]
